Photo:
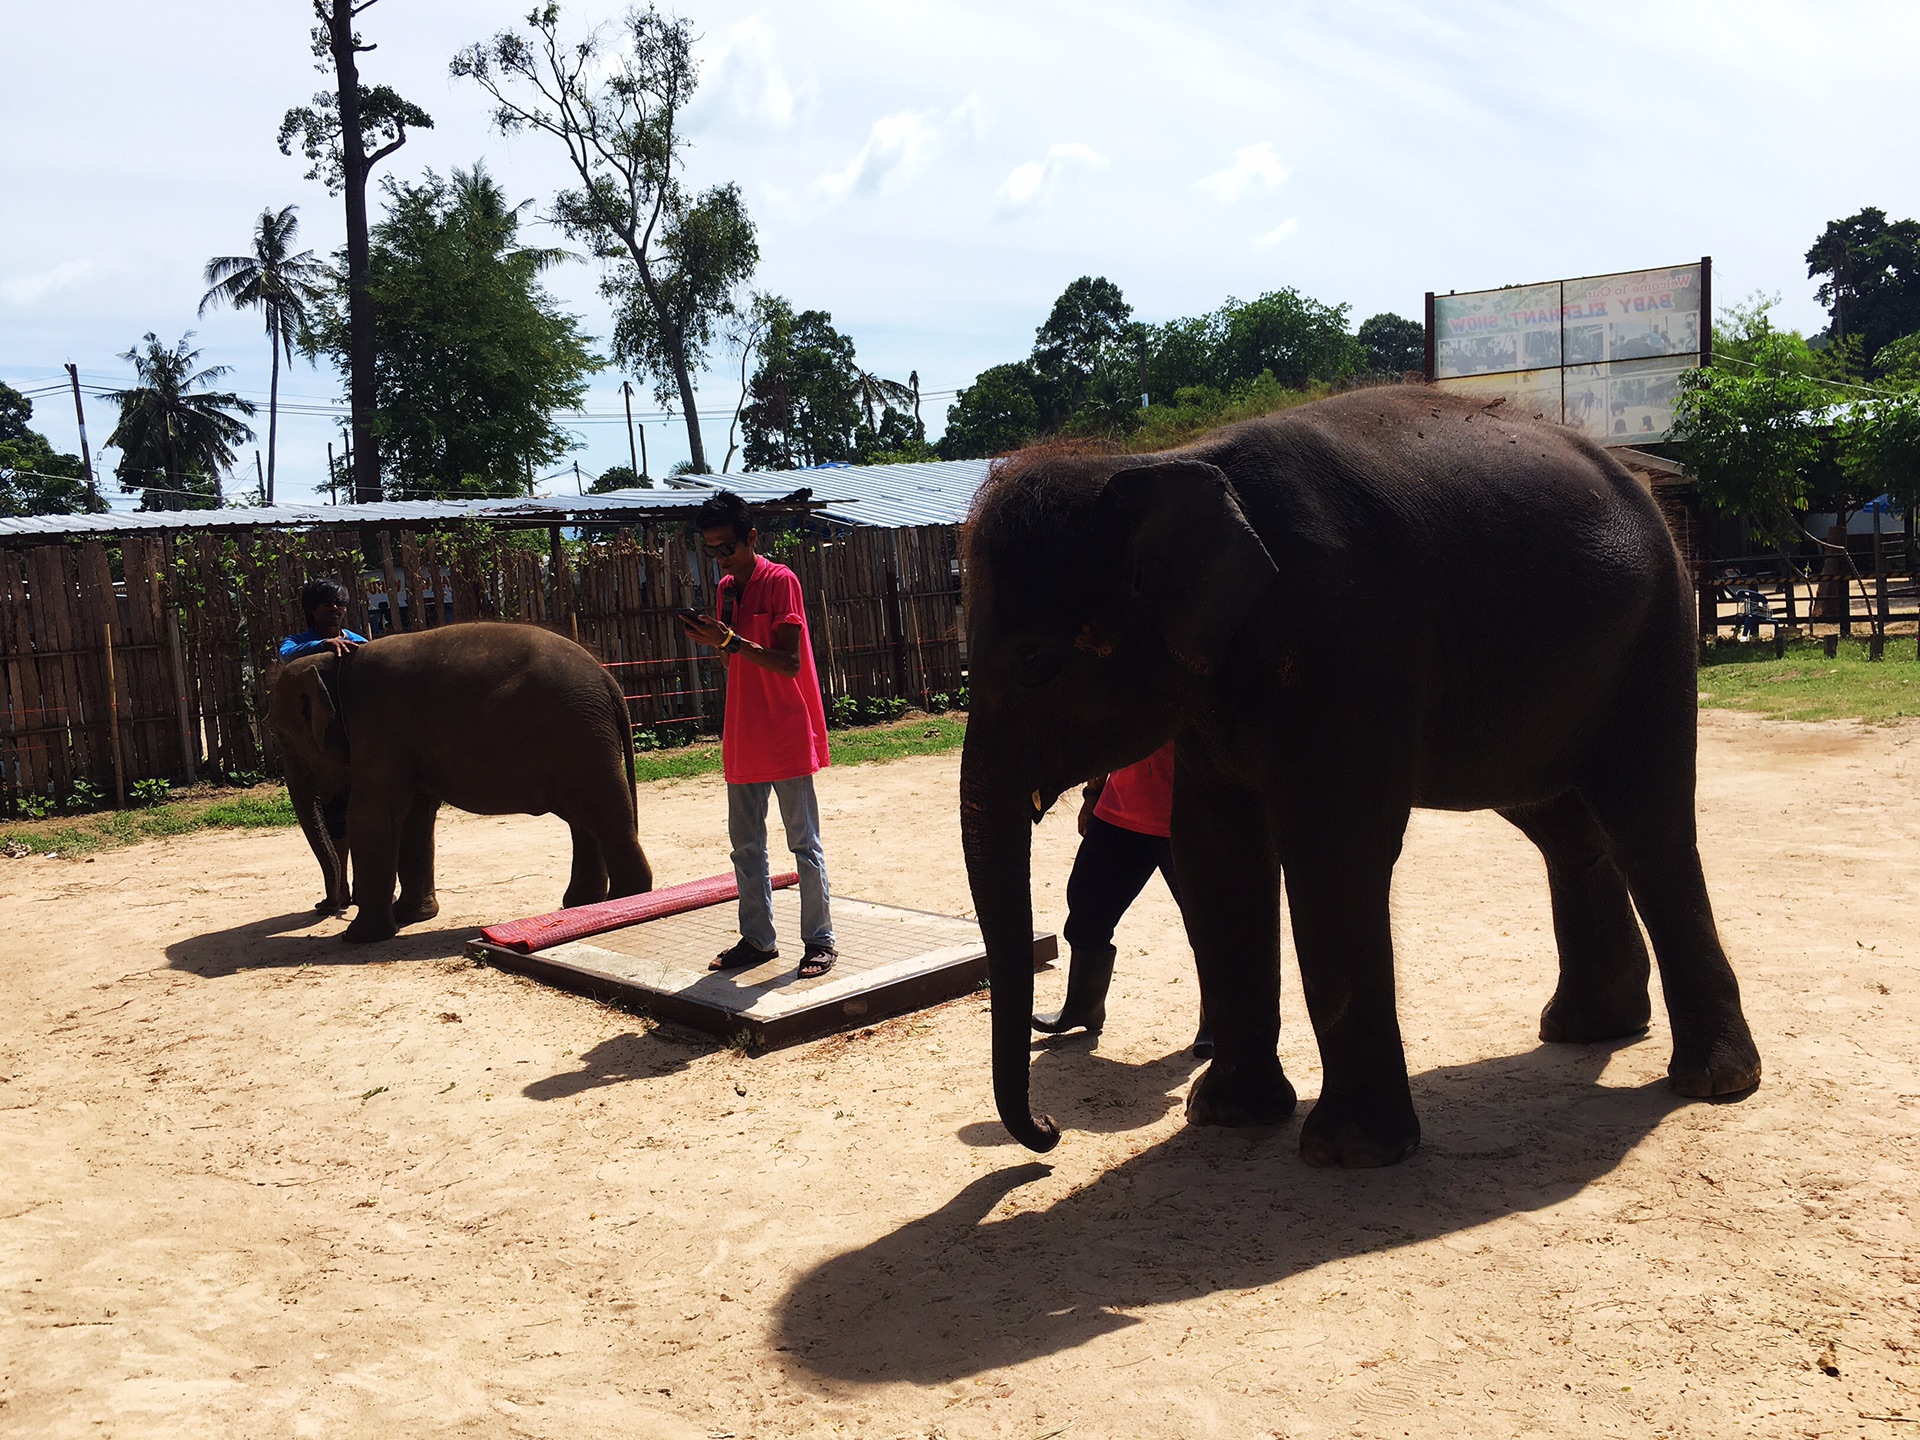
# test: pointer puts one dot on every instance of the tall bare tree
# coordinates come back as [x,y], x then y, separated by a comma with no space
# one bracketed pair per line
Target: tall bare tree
[333,133]
[614,100]
[283,286]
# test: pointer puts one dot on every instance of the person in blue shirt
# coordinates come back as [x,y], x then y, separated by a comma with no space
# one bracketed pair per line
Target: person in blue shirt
[325,604]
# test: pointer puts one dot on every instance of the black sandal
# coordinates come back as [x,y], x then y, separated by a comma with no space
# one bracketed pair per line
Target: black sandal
[742,954]
[817,961]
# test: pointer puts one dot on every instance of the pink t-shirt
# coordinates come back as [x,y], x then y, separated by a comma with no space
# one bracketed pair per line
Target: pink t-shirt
[1140,797]
[776,727]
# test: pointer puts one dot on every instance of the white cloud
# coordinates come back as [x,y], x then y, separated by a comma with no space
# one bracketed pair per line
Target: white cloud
[1278,233]
[29,288]
[744,79]
[1036,182]
[1253,165]
[899,148]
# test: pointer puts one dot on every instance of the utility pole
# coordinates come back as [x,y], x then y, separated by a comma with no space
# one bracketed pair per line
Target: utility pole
[626,394]
[333,479]
[261,476]
[578,487]
[643,457]
[86,455]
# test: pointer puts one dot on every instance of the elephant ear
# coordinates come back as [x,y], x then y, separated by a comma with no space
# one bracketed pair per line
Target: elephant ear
[1193,563]
[313,706]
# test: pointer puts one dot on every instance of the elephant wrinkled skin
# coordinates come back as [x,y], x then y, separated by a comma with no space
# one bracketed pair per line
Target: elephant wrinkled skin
[1388,599]
[489,718]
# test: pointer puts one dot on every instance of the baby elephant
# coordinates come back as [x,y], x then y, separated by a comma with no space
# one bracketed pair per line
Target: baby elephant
[493,719]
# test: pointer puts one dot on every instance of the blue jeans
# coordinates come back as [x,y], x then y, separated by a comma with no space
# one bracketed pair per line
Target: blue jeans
[747,829]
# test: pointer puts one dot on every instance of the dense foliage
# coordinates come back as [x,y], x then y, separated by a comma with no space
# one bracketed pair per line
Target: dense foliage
[475,357]
[34,478]
[176,436]
[1869,269]
[1091,364]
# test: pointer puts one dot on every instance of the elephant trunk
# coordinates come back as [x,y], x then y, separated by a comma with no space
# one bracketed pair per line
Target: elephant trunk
[997,831]
[303,791]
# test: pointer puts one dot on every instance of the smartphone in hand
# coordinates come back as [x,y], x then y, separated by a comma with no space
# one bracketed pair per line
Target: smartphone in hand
[690,617]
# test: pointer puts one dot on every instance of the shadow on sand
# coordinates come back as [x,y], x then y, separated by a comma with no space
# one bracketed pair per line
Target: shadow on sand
[1206,1210]
[626,1057]
[282,940]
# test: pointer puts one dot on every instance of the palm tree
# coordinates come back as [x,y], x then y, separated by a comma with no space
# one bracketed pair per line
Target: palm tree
[283,286]
[169,430]
[876,394]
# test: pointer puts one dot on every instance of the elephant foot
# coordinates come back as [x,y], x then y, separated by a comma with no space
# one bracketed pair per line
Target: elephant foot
[584,895]
[1725,1062]
[1588,1020]
[327,905]
[1238,1095]
[1362,1132]
[367,928]
[411,912]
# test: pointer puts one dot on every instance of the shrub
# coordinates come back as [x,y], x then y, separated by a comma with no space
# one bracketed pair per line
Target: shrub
[151,792]
[84,795]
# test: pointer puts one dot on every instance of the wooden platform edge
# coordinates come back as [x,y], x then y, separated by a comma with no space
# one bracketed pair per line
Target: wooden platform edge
[796,1027]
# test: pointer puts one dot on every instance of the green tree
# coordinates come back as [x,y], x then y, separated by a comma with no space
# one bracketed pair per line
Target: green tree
[175,436]
[995,414]
[1871,284]
[34,478]
[1078,335]
[674,261]
[344,134]
[284,287]
[1298,339]
[615,477]
[1752,438]
[1899,362]
[803,406]
[475,356]
[1394,344]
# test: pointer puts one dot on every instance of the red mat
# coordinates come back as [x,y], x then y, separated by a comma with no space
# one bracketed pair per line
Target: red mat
[541,931]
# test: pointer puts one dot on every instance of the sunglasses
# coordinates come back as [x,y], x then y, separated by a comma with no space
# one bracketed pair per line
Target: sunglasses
[721,552]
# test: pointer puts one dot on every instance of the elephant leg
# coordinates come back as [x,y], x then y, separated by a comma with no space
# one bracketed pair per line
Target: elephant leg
[1604,967]
[1230,899]
[1338,861]
[374,819]
[588,883]
[1642,793]
[418,900]
[607,858]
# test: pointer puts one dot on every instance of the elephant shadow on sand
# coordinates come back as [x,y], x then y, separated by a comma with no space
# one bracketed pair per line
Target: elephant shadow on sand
[303,937]
[1204,1211]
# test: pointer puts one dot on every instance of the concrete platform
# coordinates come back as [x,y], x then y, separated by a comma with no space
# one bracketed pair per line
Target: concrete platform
[892,961]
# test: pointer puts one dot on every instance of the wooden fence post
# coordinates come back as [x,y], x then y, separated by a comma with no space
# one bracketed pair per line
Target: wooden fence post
[189,752]
[113,722]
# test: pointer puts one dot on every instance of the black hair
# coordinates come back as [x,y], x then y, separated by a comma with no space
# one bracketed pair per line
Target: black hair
[723,507]
[316,593]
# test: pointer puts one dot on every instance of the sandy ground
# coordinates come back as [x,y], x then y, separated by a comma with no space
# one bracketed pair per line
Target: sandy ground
[255,1183]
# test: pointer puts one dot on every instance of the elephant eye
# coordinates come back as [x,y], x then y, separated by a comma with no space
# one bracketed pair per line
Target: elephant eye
[1034,664]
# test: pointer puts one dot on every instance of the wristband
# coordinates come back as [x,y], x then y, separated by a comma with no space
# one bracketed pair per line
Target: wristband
[731,645]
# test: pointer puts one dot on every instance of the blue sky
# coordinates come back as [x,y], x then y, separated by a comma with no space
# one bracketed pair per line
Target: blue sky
[934,174]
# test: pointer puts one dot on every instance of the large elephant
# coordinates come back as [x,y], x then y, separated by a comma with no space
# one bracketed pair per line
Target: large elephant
[494,719]
[1388,599]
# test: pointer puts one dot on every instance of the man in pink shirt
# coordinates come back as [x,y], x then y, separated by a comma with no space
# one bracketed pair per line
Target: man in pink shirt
[774,736]
[1125,825]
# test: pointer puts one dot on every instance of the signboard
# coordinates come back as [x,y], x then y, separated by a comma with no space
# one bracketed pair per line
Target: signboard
[1603,353]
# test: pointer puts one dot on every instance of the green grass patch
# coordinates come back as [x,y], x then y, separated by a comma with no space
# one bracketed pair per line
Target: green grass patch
[863,745]
[1806,685]
[267,807]
[264,807]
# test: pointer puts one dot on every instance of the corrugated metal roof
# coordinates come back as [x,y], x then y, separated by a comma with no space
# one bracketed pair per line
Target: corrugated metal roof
[557,510]
[938,492]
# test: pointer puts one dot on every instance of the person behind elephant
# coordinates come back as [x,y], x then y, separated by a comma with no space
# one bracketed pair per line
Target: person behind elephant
[324,603]
[775,733]
[1125,826]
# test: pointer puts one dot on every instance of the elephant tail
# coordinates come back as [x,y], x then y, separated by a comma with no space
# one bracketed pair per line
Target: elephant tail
[625,721]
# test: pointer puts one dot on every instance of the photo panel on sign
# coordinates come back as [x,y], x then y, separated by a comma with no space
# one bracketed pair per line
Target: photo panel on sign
[1626,401]
[1528,394]
[1490,331]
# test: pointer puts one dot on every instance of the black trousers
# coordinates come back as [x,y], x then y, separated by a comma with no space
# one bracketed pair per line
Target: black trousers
[1109,873]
